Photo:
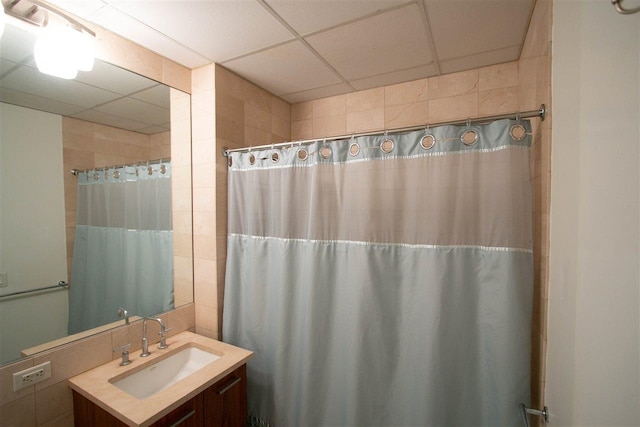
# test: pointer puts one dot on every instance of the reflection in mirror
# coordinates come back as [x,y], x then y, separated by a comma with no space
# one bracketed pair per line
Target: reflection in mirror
[105,118]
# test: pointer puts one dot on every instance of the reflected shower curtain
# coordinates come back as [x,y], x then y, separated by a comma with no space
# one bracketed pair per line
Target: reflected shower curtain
[384,280]
[123,249]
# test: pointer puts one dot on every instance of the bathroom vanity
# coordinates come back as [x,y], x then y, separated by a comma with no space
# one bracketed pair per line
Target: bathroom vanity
[196,381]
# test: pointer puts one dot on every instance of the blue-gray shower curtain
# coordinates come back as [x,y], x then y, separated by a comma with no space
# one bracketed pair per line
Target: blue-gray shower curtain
[123,247]
[384,280]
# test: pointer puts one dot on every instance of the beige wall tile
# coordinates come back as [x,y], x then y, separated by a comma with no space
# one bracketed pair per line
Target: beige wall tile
[206,317]
[65,420]
[207,332]
[204,248]
[332,106]
[126,54]
[254,136]
[257,118]
[176,75]
[454,107]
[230,107]
[367,120]
[256,96]
[498,76]
[498,101]
[402,115]
[75,358]
[406,93]
[53,401]
[19,413]
[450,85]
[205,290]
[280,108]
[329,126]
[302,130]
[228,82]
[6,381]
[302,111]
[364,100]
[181,319]
[281,127]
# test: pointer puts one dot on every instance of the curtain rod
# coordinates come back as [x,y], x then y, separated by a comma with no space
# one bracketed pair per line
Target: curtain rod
[540,112]
[76,172]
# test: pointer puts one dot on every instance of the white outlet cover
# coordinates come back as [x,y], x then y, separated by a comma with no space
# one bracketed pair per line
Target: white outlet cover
[24,378]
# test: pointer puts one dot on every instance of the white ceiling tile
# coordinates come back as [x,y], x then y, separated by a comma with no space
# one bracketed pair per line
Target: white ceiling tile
[306,16]
[6,66]
[30,80]
[36,102]
[146,36]
[317,93]
[395,77]
[480,60]
[466,27]
[381,44]
[115,79]
[225,28]
[16,44]
[136,110]
[288,68]
[110,120]
[154,129]
[157,95]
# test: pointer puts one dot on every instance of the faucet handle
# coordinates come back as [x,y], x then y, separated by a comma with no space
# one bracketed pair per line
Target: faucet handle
[125,354]
[163,339]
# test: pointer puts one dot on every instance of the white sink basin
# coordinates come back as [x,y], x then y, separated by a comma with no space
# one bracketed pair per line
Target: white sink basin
[165,372]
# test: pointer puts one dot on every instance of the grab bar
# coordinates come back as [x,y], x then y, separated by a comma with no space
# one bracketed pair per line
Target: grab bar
[61,285]
[540,413]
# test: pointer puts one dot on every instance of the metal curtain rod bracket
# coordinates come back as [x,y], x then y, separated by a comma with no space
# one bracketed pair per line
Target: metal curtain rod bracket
[537,412]
[61,285]
[618,5]
[540,112]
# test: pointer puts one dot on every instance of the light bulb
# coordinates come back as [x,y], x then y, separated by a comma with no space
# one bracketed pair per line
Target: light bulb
[55,54]
[85,51]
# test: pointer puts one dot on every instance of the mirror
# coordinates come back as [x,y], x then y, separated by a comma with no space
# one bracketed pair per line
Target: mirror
[105,117]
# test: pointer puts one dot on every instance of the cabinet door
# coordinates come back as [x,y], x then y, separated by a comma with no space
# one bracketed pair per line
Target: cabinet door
[226,401]
[189,414]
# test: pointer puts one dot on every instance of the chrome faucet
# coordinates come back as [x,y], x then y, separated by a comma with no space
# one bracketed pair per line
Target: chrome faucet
[145,341]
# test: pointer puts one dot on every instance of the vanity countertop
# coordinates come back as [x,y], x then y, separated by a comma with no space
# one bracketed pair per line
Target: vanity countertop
[95,385]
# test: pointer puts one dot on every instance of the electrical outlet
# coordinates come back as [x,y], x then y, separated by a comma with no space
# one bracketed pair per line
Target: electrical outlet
[31,376]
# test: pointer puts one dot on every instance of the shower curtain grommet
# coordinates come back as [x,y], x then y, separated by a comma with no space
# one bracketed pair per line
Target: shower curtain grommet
[387,145]
[428,141]
[517,132]
[469,137]
[302,154]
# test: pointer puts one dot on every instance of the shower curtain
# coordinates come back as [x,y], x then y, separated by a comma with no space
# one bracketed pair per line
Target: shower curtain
[384,280]
[123,248]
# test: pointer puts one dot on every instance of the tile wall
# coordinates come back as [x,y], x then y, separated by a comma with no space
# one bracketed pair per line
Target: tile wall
[49,403]
[231,112]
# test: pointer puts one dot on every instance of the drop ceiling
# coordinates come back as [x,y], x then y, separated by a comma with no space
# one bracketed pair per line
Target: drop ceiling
[297,49]
[307,49]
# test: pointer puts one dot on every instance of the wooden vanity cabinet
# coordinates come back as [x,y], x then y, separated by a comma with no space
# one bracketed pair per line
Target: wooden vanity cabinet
[224,404]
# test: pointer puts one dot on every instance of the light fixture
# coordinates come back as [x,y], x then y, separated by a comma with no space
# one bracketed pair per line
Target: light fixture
[64,45]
